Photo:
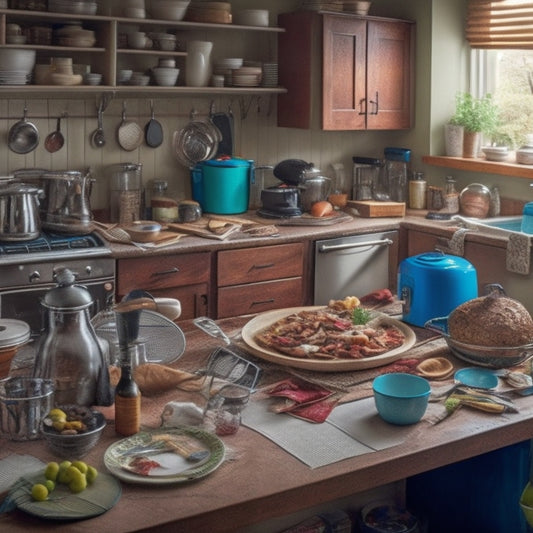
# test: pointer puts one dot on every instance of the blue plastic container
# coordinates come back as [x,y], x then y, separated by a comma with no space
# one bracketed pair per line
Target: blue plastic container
[222,186]
[433,284]
[527,219]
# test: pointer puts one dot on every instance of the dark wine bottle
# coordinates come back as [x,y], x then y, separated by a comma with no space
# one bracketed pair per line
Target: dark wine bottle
[127,403]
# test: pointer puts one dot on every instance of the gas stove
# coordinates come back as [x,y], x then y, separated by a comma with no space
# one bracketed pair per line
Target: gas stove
[51,246]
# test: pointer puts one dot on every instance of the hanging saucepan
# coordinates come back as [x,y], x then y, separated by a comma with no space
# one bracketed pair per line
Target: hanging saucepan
[23,136]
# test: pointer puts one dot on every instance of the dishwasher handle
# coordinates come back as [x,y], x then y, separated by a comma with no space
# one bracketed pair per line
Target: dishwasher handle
[325,248]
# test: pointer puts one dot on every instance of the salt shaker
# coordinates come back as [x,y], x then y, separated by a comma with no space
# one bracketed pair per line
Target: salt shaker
[226,407]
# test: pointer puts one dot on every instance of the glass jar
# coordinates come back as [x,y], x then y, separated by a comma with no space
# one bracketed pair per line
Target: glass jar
[225,408]
[474,200]
[524,155]
[164,208]
[125,202]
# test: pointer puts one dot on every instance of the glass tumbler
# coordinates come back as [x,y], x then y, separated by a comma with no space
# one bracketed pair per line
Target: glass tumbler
[24,403]
[225,408]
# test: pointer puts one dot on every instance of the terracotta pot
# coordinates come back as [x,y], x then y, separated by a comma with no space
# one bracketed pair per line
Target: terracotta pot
[471,143]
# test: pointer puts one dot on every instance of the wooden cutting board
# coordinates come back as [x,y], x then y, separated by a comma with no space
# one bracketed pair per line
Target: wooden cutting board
[200,229]
[371,208]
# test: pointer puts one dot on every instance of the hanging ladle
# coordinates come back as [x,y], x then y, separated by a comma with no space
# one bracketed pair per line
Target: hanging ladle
[55,140]
[98,137]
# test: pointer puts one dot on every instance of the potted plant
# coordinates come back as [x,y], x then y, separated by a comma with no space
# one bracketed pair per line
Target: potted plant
[476,116]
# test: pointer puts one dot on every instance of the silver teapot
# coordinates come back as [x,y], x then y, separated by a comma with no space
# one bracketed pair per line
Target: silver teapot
[70,352]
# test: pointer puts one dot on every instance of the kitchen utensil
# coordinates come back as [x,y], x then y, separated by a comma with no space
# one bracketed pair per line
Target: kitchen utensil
[14,334]
[279,202]
[112,232]
[129,134]
[143,231]
[312,190]
[98,136]
[23,136]
[70,352]
[295,171]
[164,340]
[19,212]
[484,356]
[66,206]
[55,140]
[433,284]
[153,131]
[209,326]
[224,123]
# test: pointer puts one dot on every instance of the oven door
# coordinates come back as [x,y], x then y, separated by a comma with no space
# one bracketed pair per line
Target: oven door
[25,304]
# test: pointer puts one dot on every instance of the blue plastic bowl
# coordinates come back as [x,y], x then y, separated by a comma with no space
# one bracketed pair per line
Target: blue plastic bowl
[401,399]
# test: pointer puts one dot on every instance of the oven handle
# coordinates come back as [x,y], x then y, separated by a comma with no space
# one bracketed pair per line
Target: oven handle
[325,248]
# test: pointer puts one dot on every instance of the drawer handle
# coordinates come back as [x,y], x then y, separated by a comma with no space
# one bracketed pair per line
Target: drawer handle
[266,265]
[269,301]
[165,272]
[325,248]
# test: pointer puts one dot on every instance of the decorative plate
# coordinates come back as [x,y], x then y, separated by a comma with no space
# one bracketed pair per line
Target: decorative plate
[174,468]
[62,504]
[264,320]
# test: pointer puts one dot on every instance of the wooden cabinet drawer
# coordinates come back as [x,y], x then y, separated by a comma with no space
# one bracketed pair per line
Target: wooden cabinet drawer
[250,265]
[193,299]
[162,271]
[259,297]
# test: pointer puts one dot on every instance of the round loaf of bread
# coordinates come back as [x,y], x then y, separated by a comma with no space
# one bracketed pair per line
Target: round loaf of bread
[492,320]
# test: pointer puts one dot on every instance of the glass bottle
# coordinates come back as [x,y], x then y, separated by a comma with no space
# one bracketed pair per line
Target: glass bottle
[417,191]
[451,196]
[127,399]
[397,167]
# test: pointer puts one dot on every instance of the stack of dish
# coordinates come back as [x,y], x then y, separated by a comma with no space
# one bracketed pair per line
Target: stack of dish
[226,66]
[358,7]
[138,78]
[169,9]
[251,17]
[166,76]
[216,12]
[163,41]
[246,77]
[79,38]
[77,7]
[313,5]
[16,66]
[134,9]
[270,75]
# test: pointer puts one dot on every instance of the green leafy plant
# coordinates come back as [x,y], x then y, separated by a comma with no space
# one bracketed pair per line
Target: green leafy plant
[361,316]
[476,114]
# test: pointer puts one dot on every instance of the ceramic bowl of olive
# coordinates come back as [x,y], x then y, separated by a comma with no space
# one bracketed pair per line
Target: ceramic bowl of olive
[72,430]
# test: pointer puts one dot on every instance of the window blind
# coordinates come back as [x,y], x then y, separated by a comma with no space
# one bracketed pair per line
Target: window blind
[500,24]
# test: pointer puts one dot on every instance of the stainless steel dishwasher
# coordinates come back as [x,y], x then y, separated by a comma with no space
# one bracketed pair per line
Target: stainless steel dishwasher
[355,265]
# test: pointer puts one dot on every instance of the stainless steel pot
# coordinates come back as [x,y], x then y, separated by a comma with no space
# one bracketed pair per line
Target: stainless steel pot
[66,205]
[19,212]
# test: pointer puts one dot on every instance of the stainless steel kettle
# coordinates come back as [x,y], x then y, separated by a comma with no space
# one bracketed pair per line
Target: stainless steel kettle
[19,212]
[70,353]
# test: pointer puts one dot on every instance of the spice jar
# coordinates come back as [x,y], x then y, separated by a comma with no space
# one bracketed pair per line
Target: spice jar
[417,191]
[475,200]
[164,208]
[225,408]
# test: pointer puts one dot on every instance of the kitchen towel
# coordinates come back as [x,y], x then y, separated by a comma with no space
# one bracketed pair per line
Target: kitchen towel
[518,255]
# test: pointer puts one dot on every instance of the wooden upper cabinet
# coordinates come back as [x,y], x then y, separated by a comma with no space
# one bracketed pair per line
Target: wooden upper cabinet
[345,72]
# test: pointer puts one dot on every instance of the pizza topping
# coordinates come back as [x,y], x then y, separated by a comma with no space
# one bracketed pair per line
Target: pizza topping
[142,465]
[329,333]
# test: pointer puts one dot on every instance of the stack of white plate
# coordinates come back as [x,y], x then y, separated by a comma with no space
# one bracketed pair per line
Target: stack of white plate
[246,77]
[313,5]
[14,77]
[77,7]
[226,66]
[270,75]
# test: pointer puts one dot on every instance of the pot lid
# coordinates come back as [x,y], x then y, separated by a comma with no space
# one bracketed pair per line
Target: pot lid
[13,332]
[18,188]
[67,295]
[439,261]
[227,162]
[295,171]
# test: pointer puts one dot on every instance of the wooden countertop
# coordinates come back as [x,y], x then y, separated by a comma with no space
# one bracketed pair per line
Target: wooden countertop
[261,481]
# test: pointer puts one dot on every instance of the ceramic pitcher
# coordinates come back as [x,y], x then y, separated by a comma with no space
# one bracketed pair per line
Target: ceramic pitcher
[198,65]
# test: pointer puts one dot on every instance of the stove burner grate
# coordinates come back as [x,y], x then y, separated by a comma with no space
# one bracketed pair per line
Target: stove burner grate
[50,242]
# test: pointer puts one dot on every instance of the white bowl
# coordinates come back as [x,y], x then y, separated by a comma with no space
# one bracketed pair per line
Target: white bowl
[17,59]
[166,77]
[134,12]
[496,153]
[16,39]
[251,17]
[169,9]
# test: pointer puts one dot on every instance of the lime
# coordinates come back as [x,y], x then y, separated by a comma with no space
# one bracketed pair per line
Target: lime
[91,474]
[39,492]
[51,470]
[50,485]
[63,476]
[78,481]
[81,466]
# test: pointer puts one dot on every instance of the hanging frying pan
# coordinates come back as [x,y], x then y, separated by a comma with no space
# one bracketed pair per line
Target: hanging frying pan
[153,131]
[23,136]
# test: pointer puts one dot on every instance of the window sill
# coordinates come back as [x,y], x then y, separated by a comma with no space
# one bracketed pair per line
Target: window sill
[481,165]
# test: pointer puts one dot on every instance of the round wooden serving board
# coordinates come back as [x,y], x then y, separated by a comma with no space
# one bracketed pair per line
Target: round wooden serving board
[264,320]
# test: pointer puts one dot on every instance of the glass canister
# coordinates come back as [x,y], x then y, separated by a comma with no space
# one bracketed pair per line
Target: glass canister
[225,408]
[164,208]
[365,177]
[397,169]
[125,202]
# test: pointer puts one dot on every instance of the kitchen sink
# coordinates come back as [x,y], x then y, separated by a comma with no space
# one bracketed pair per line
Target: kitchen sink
[497,225]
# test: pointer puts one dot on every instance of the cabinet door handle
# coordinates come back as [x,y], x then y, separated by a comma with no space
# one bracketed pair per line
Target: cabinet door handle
[266,265]
[375,103]
[166,272]
[362,106]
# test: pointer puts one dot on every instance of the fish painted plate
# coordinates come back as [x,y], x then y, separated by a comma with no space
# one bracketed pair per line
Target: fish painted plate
[173,467]
[265,320]
[96,499]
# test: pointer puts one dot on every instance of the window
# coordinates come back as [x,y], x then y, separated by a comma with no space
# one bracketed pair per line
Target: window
[501,35]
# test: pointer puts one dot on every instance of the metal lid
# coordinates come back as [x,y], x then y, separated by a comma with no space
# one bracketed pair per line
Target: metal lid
[13,332]
[67,295]
[227,162]
[18,188]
